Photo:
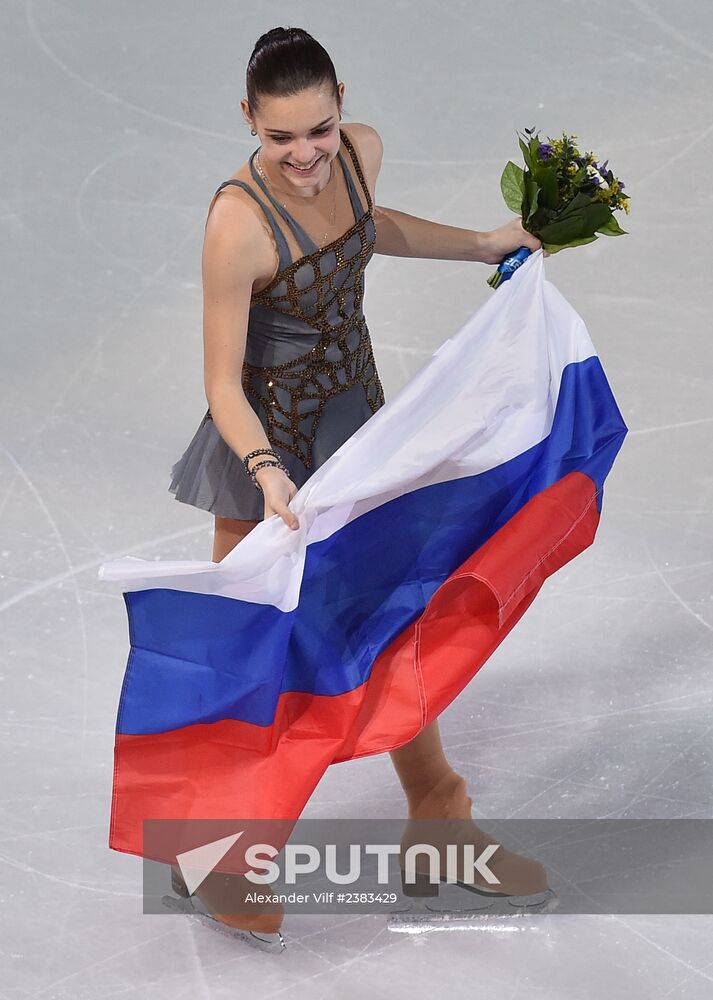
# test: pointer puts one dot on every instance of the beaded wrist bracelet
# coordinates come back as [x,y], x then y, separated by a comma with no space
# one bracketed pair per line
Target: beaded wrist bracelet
[259,451]
[261,465]
[273,460]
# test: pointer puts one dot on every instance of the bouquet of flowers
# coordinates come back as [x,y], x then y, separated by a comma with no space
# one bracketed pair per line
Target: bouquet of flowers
[564,197]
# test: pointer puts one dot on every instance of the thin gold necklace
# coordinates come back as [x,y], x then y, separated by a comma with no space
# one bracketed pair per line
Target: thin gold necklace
[332,214]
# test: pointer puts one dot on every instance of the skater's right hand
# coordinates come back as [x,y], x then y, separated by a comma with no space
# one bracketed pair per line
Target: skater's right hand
[278,490]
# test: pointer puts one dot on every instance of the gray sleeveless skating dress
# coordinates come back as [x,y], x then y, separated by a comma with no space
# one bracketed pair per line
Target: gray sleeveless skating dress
[309,371]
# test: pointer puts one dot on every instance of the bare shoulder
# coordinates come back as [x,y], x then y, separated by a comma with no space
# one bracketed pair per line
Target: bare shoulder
[370,150]
[367,140]
[237,233]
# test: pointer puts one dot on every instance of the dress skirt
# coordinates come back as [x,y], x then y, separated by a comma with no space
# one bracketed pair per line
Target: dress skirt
[209,474]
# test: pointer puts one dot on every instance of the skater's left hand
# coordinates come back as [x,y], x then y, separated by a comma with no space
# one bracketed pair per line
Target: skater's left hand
[507,239]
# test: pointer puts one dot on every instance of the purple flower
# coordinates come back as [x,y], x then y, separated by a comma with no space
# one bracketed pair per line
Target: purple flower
[595,178]
[544,151]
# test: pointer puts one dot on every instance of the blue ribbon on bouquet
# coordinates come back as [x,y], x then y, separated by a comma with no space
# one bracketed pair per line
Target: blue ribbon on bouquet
[510,264]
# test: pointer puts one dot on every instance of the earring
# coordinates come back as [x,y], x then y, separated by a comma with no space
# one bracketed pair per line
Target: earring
[253,132]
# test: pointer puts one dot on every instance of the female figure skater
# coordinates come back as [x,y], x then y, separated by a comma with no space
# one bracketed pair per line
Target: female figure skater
[288,365]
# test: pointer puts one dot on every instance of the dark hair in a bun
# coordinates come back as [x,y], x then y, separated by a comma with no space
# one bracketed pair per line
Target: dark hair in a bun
[284,62]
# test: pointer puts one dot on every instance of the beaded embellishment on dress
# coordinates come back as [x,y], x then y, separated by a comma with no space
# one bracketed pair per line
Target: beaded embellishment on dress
[312,379]
[324,288]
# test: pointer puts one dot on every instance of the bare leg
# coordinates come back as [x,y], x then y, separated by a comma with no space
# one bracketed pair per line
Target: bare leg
[228,532]
[435,791]
[432,787]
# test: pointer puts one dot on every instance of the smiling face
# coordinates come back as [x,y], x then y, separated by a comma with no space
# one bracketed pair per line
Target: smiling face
[301,131]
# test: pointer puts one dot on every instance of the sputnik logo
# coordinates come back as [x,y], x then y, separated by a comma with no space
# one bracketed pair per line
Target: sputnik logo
[197,864]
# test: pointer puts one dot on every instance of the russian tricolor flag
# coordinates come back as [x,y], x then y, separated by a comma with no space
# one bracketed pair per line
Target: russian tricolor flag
[422,542]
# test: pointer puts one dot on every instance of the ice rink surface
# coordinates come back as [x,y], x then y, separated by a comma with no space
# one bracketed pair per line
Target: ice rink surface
[120,120]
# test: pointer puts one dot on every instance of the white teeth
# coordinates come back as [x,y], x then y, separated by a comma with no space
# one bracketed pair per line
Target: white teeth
[303,169]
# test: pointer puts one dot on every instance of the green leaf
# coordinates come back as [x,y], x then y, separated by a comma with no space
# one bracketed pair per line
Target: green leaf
[553,248]
[525,203]
[525,153]
[546,178]
[581,241]
[595,215]
[611,228]
[532,189]
[564,230]
[576,223]
[575,205]
[512,185]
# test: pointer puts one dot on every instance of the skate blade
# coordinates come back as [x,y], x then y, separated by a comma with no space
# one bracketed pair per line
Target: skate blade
[458,908]
[271,943]
[456,899]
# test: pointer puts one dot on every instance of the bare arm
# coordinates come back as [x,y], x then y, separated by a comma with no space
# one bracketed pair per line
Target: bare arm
[231,262]
[399,234]
[402,235]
